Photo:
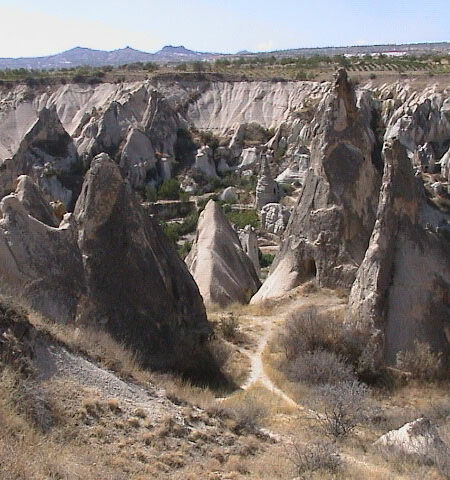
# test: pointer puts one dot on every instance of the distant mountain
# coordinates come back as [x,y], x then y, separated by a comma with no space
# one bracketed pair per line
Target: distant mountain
[80,56]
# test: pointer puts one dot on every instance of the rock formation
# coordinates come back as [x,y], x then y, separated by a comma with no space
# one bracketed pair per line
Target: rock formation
[402,286]
[296,173]
[329,230]
[249,242]
[204,162]
[424,158]
[229,195]
[138,158]
[40,266]
[30,197]
[419,438]
[267,189]
[274,218]
[250,158]
[107,265]
[48,155]
[223,271]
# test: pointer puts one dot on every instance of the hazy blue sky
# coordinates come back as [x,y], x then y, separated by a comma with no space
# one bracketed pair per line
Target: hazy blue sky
[42,27]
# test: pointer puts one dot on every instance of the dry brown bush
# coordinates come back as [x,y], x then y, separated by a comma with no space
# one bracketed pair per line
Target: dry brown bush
[249,413]
[312,457]
[421,361]
[319,367]
[344,404]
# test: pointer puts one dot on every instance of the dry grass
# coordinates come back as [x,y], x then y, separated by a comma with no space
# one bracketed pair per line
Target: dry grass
[94,437]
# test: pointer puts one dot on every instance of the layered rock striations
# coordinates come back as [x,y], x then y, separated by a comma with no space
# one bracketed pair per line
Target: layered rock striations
[402,286]
[330,227]
[223,271]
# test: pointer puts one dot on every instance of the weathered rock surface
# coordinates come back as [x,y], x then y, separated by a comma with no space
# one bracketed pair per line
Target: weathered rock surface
[419,438]
[40,266]
[296,172]
[402,286]
[267,189]
[138,158]
[223,271]
[107,265]
[274,218]
[31,198]
[250,159]
[204,162]
[47,154]
[229,195]
[424,158]
[137,286]
[249,242]
[329,230]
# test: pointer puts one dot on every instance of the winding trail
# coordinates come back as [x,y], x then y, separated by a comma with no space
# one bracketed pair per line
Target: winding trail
[257,372]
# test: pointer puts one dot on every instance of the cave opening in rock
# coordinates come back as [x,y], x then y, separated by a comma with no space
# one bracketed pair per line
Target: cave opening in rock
[310,268]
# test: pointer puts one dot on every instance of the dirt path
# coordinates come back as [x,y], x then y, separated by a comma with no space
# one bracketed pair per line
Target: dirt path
[267,325]
[257,372]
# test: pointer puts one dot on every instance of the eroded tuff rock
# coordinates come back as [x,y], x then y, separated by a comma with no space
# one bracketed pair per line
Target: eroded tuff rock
[137,286]
[274,218]
[419,438]
[267,189]
[249,242]
[402,286]
[48,155]
[329,230]
[107,265]
[223,271]
[40,266]
[204,162]
[31,198]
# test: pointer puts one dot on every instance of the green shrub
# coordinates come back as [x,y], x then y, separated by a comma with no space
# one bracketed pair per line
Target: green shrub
[169,190]
[176,230]
[183,250]
[265,259]
[150,193]
[243,217]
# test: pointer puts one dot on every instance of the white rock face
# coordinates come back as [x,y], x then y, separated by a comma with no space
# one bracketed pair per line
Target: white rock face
[445,168]
[204,162]
[250,158]
[274,218]
[229,195]
[223,271]
[296,173]
[249,242]
[225,105]
[415,118]
[137,158]
[45,153]
[419,437]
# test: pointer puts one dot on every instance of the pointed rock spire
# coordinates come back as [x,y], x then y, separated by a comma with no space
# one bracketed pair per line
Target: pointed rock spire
[222,270]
